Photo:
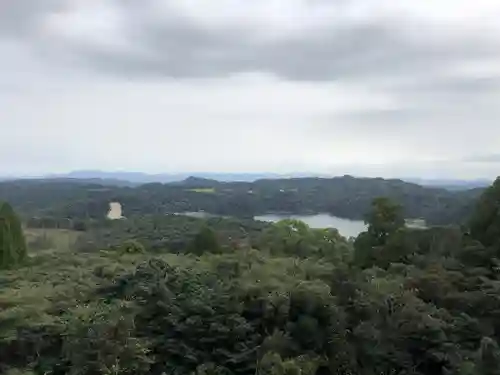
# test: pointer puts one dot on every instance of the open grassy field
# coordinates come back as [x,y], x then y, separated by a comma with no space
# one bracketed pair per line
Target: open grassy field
[203,190]
[50,239]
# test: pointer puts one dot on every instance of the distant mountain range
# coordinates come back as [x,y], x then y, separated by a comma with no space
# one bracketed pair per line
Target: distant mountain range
[144,178]
[451,184]
[137,178]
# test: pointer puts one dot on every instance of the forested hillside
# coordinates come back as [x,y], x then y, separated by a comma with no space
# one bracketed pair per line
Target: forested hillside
[346,197]
[168,294]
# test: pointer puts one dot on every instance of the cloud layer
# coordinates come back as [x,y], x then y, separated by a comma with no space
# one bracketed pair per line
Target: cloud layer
[170,85]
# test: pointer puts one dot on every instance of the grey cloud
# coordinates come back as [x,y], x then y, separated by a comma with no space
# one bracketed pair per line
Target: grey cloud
[433,110]
[431,84]
[442,115]
[489,158]
[178,46]
[184,49]
[447,120]
[19,17]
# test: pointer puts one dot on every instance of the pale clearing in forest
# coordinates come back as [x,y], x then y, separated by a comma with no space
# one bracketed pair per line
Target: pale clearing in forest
[115,211]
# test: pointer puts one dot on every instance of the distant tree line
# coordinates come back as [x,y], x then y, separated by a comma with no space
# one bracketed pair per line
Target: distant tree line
[346,197]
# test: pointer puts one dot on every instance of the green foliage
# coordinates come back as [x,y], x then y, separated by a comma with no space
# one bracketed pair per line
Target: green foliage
[131,247]
[295,238]
[168,233]
[43,242]
[203,190]
[288,300]
[274,364]
[72,204]
[205,241]
[12,242]
[379,244]
[20,372]
[50,239]
[99,341]
[485,223]
[384,219]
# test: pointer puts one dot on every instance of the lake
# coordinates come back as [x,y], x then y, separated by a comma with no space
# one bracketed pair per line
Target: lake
[346,227]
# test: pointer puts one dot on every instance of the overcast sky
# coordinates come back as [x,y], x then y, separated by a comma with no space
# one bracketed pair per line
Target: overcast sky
[367,87]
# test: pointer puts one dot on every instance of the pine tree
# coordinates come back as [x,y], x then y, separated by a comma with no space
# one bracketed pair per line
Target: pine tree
[485,222]
[12,242]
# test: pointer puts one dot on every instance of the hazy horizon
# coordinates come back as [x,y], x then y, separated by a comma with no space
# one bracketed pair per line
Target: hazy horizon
[368,88]
[134,176]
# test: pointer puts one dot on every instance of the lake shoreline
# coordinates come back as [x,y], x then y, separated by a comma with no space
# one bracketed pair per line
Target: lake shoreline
[346,227]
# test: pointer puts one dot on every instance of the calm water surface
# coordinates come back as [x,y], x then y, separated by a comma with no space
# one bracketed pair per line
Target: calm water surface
[345,227]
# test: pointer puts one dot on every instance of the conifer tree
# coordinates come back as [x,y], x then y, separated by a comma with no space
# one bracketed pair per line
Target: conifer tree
[12,242]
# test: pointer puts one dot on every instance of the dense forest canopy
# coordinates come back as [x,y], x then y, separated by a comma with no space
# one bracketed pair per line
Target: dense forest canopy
[167,294]
[346,197]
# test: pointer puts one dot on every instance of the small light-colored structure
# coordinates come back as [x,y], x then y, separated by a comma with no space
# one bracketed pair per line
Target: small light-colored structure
[115,211]
[416,223]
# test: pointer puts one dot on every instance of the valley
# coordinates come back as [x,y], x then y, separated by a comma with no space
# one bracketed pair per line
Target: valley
[205,277]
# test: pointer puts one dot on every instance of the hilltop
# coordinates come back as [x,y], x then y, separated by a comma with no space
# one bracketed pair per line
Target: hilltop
[346,197]
[127,178]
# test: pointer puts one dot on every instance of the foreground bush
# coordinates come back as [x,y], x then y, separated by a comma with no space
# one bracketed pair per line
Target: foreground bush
[12,242]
